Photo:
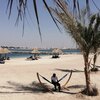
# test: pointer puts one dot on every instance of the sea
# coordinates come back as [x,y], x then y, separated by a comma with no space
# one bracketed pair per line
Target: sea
[27,53]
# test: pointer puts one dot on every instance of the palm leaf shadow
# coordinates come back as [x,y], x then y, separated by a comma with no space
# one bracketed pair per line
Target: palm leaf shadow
[67,70]
[97,66]
[76,86]
[77,89]
[34,87]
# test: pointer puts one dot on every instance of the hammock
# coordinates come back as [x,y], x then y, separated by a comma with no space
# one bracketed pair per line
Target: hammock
[63,86]
[44,86]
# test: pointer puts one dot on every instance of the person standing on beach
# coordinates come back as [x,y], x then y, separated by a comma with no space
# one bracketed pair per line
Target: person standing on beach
[55,82]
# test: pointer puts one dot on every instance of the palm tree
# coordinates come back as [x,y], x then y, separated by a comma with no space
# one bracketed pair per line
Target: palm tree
[82,33]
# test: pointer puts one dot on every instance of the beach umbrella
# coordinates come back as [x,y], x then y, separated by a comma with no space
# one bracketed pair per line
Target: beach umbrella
[35,51]
[1,51]
[4,51]
[56,52]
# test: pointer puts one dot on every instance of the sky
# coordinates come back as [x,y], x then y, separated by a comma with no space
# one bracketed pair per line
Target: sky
[12,35]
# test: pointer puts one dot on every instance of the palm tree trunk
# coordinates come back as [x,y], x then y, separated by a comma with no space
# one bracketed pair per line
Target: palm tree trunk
[94,60]
[89,89]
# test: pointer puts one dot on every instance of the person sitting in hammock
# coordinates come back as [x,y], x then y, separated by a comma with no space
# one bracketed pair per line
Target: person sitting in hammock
[55,82]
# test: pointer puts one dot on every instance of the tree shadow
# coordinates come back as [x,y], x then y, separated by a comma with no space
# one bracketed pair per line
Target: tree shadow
[34,87]
[73,89]
[97,66]
[67,70]
[76,87]
[67,92]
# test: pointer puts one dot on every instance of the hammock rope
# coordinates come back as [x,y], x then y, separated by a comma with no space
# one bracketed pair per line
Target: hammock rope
[45,79]
[63,77]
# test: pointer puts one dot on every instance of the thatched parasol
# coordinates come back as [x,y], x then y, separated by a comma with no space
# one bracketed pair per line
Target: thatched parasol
[56,52]
[36,52]
[4,51]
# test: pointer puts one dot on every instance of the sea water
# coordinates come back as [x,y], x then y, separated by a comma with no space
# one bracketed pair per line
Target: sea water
[27,53]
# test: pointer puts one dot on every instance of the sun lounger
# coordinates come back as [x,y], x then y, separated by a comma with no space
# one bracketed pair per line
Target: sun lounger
[2,61]
[31,58]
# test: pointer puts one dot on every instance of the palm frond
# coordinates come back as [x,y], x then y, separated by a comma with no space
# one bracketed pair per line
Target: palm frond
[88,8]
[36,13]
[61,4]
[46,5]
[74,5]
[97,24]
[70,24]
[9,6]
[96,5]
[78,6]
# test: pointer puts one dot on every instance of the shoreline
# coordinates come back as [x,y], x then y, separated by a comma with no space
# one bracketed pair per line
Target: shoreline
[25,55]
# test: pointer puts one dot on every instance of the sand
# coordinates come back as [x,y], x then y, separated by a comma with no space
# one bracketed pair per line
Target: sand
[18,80]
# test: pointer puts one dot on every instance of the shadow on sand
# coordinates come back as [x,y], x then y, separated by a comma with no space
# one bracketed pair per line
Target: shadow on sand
[14,87]
[34,87]
[95,66]
[76,87]
[67,70]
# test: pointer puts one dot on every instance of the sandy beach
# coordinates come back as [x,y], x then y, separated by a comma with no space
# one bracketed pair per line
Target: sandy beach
[18,80]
